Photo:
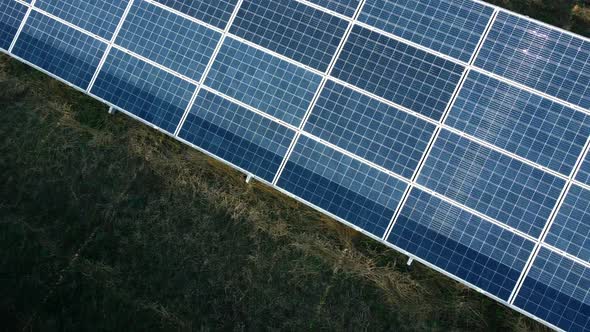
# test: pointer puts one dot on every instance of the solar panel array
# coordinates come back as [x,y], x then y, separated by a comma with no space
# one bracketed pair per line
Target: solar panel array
[453,131]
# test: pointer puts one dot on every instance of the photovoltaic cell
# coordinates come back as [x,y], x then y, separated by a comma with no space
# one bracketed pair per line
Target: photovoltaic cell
[398,72]
[98,17]
[460,243]
[370,129]
[451,27]
[263,81]
[59,49]
[214,12]
[491,183]
[290,28]
[342,186]
[542,58]
[518,121]
[11,15]
[584,171]
[148,92]
[242,137]
[168,39]
[557,290]
[344,7]
[570,230]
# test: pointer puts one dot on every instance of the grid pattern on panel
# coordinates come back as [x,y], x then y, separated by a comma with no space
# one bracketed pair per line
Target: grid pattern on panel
[542,58]
[290,28]
[214,12]
[451,27]
[11,15]
[494,184]
[584,171]
[148,92]
[168,39]
[99,17]
[398,72]
[570,230]
[345,187]
[370,129]
[256,78]
[238,135]
[518,121]
[557,290]
[344,7]
[59,49]
[460,243]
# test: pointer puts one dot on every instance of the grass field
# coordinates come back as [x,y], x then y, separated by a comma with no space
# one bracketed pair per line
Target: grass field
[106,224]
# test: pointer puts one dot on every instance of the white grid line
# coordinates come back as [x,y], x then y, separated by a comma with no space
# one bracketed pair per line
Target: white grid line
[224,34]
[318,92]
[541,241]
[22,25]
[110,45]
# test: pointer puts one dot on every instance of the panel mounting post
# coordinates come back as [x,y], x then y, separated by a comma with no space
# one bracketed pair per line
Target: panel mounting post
[112,110]
[410,260]
[248,178]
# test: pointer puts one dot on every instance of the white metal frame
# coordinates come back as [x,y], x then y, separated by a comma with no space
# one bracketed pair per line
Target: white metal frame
[325,76]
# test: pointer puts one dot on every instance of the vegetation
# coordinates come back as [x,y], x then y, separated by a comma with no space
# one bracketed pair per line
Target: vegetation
[106,224]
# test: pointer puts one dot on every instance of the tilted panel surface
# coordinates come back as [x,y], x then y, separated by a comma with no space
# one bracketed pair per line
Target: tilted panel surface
[168,39]
[398,72]
[240,136]
[570,230]
[214,12]
[290,28]
[148,92]
[11,16]
[496,185]
[98,17]
[342,186]
[59,49]
[540,57]
[370,129]
[451,27]
[344,7]
[256,78]
[518,121]
[460,243]
[557,290]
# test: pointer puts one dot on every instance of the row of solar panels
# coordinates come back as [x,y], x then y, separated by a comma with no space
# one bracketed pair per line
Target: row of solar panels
[253,77]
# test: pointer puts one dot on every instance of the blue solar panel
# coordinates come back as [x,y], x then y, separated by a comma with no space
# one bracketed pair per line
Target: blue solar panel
[557,290]
[237,135]
[59,49]
[344,7]
[460,243]
[451,27]
[530,126]
[254,96]
[370,129]
[168,39]
[341,185]
[11,15]
[542,58]
[214,12]
[99,17]
[491,183]
[570,230]
[292,29]
[148,92]
[398,72]
[584,172]
[263,81]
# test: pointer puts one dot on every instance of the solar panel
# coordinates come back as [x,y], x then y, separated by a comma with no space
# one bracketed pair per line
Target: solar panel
[453,131]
